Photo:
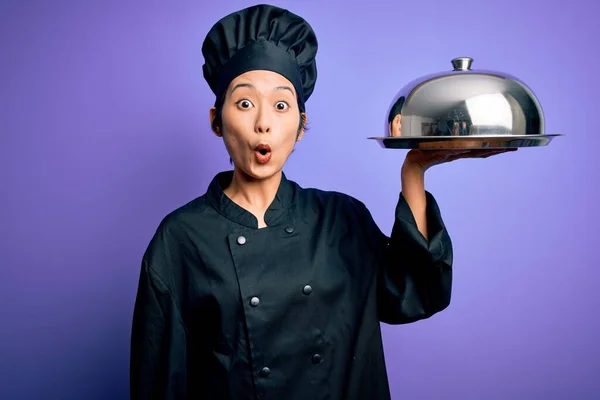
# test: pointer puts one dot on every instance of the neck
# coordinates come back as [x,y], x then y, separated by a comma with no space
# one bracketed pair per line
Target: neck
[253,194]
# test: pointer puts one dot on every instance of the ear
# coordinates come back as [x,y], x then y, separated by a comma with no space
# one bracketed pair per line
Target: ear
[212,116]
[396,126]
[304,118]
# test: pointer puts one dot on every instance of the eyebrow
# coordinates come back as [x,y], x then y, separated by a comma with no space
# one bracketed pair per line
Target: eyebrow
[250,86]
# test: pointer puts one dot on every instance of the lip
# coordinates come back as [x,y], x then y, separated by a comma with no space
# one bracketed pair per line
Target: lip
[263,153]
[263,148]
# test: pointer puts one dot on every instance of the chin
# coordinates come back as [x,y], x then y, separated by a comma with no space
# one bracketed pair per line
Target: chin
[261,172]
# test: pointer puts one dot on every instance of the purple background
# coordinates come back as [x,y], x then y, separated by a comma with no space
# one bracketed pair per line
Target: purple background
[104,129]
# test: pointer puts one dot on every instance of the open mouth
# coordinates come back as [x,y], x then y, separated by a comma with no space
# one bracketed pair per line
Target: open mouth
[263,149]
[263,153]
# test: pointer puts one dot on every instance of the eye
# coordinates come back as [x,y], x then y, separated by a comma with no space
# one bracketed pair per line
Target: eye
[244,103]
[281,106]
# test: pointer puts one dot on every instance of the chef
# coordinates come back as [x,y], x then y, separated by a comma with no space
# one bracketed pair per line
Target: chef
[263,289]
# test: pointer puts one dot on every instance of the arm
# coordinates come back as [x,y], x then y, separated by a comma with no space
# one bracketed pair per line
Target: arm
[158,342]
[413,177]
[415,275]
[413,189]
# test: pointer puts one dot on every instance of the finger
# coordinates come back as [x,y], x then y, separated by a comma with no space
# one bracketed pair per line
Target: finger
[445,155]
[459,156]
[494,153]
[469,155]
[480,152]
[477,153]
[505,151]
[487,153]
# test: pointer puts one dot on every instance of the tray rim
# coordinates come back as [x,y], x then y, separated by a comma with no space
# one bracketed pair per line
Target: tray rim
[474,137]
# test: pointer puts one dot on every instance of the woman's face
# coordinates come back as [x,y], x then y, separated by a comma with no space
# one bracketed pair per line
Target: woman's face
[260,121]
[396,126]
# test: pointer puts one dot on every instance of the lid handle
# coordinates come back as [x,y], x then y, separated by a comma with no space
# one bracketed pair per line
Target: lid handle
[462,63]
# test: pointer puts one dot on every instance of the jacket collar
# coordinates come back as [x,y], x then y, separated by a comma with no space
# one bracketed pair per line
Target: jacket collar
[279,208]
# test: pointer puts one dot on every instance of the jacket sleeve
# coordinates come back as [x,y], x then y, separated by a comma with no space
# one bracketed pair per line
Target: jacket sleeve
[158,342]
[415,275]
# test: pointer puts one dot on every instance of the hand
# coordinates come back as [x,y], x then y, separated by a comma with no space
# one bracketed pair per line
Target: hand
[422,160]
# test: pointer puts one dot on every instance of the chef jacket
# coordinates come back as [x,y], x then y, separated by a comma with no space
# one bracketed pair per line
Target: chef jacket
[225,310]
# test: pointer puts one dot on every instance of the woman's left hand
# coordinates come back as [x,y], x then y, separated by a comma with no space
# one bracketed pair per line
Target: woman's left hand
[413,176]
[422,160]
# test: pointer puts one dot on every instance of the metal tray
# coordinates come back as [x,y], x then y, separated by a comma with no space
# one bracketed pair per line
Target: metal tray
[464,142]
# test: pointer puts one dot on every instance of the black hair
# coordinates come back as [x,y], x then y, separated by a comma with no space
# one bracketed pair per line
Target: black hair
[396,109]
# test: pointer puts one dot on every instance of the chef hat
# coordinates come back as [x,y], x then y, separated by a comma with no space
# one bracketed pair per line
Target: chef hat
[261,37]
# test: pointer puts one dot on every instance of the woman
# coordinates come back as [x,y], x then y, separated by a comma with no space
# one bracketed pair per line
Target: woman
[261,288]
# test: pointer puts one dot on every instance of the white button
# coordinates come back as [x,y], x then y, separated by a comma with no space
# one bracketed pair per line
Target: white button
[241,240]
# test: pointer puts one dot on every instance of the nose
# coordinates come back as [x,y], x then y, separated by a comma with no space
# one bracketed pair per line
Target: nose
[263,121]
[261,128]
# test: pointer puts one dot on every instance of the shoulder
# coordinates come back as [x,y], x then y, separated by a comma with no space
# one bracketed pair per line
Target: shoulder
[347,212]
[172,232]
[175,223]
[332,200]
[179,219]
